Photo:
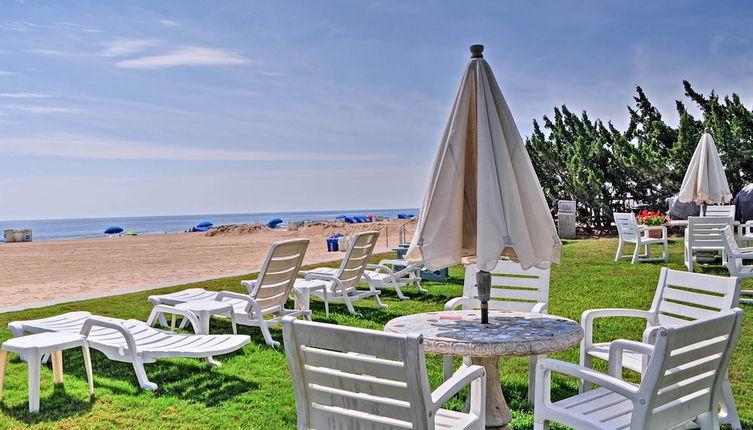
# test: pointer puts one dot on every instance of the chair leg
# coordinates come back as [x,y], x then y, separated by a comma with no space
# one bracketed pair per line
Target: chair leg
[708,421]
[541,425]
[532,362]
[585,361]
[144,382]
[666,250]
[400,294]
[57,367]
[88,366]
[619,251]
[447,366]
[418,285]
[635,254]
[3,360]
[34,364]
[729,408]
[266,334]
[380,305]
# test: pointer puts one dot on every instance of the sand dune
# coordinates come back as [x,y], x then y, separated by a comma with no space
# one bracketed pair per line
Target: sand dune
[34,272]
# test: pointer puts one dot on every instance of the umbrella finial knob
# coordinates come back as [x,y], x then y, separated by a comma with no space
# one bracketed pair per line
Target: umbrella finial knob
[707,130]
[476,51]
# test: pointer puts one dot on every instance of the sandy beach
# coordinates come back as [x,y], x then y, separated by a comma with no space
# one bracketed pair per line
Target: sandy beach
[59,270]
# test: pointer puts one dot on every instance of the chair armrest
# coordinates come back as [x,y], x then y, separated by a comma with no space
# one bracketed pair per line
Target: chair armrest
[249,285]
[463,377]
[233,295]
[595,377]
[587,319]
[379,268]
[462,301]
[100,322]
[168,309]
[617,347]
[540,308]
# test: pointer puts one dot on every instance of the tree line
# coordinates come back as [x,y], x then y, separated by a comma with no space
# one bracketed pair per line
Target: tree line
[604,169]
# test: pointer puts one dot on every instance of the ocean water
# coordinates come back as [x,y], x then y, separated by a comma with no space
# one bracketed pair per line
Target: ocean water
[75,228]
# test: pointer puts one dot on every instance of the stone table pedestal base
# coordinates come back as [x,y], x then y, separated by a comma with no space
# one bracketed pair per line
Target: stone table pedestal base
[497,413]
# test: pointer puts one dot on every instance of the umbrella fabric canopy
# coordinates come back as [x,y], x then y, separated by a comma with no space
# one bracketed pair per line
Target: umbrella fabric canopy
[484,199]
[705,181]
[113,230]
[204,224]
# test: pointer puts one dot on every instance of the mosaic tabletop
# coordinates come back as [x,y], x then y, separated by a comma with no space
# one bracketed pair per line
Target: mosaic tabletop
[507,334]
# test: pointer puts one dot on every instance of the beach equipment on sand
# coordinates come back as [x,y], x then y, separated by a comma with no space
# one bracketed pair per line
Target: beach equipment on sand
[133,341]
[130,233]
[274,222]
[114,229]
[705,181]
[484,199]
[267,294]
[205,224]
[342,282]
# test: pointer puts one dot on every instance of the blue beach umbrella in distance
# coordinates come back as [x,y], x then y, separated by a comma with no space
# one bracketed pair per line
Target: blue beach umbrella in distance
[114,229]
[204,224]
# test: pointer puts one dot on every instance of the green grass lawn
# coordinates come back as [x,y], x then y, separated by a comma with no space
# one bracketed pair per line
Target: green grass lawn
[253,389]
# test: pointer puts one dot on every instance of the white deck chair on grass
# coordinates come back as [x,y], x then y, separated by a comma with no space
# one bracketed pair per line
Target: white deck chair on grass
[720,211]
[342,281]
[736,256]
[266,296]
[353,378]
[705,234]
[513,289]
[388,274]
[682,383]
[680,299]
[133,341]
[631,232]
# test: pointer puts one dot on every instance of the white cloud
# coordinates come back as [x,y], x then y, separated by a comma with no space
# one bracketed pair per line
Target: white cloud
[6,73]
[23,95]
[85,147]
[17,25]
[168,23]
[42,110]
[53,53]
[119,48]
[188,56]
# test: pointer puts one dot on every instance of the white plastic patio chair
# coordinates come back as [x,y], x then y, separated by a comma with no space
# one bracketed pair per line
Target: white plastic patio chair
[745,233]
[717,211]
[736,256]
[513,289]
[631,232]
[267,294]
[387,274]
[353,378]
[133,341]
[342,282]
[682,383]
[680,298]
[704,234]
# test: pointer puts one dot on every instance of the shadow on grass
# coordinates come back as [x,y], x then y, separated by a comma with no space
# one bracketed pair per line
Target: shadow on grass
[52,408]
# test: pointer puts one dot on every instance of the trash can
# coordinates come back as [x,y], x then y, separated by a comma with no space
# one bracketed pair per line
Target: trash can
[343,243]
[332,244]
[566,219]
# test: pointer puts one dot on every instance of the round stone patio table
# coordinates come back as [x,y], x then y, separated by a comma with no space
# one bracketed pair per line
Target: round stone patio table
[508,334]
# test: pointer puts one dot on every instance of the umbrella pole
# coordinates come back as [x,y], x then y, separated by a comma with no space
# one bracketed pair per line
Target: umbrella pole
[484,286]
[703,209]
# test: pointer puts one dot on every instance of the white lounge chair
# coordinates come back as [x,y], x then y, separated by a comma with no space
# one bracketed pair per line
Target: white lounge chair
[704,234]
[736,256]
[680,298]
[133,341]
[682,382]
[342,282]
[720,211]
[395,274]
[353,378]
[266,296]
[631,232]
[513,289]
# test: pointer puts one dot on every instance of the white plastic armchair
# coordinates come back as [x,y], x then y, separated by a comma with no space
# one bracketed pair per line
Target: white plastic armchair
[395,274]
[745,233]
[680,298]
[631,232]
[705,234]
[683,381]
[513,289]
[736,258]
[353,378]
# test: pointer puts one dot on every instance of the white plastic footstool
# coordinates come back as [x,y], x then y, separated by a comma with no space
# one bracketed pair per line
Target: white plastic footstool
[303,289]
[33,347]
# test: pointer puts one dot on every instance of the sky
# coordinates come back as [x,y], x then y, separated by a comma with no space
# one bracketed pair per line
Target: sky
[129,108]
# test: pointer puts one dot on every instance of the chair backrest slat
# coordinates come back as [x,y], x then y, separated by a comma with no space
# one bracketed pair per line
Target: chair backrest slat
[720,211]
[346,377]
[513,288]
[706,232]
[627,227]
[278,273]
[357,258]
[684,375]
[682,297]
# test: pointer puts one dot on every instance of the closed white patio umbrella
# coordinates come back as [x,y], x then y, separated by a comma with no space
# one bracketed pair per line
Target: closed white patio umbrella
[484,199]
[705,181]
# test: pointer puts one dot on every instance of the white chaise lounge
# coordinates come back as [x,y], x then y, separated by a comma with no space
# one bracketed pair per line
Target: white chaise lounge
[134,341]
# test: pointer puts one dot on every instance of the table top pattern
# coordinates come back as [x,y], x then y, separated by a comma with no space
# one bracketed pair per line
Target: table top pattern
[507,334]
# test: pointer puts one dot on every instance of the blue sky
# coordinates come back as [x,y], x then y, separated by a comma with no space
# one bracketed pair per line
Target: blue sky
[115,108]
